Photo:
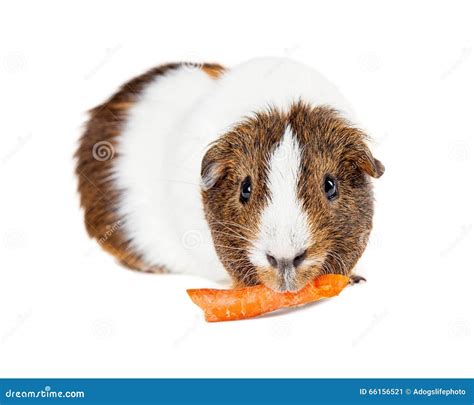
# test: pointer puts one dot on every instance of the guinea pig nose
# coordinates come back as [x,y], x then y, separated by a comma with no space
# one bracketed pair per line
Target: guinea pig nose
[283,263]
[273,262]
[299,259]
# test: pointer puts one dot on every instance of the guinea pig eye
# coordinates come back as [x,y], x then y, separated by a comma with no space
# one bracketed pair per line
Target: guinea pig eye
[330,188]
[245,190]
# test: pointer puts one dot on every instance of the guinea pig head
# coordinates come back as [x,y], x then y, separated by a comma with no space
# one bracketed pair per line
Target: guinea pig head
[288,196]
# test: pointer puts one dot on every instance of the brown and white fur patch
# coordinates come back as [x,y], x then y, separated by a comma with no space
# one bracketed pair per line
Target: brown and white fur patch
[97,156]
[288,231]
[185,138]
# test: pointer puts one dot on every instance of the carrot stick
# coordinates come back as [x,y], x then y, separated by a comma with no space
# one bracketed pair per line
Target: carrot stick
[242,303]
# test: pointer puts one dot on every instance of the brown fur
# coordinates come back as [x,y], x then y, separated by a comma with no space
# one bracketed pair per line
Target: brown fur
[330,145]
[98,194]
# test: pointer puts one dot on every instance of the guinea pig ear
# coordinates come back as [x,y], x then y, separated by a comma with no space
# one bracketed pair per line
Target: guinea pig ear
[212,169]
[363,159]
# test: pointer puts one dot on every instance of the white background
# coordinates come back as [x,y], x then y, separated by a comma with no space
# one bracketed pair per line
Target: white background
[67,309]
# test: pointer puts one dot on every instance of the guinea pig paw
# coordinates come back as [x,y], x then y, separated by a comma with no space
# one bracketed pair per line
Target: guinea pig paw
[355,279]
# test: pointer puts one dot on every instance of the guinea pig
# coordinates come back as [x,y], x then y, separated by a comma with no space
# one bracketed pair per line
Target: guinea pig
[257,170]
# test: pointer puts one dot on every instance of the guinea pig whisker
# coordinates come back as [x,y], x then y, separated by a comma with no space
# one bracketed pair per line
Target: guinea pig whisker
[234,232]
[239,266]
[215,220]
[338,260]
[239,261]
[237,225]
[343,264]
[249,274]
[235,235]
[231,248]
[324,268]
[232,237]
[227,228]
[224,223]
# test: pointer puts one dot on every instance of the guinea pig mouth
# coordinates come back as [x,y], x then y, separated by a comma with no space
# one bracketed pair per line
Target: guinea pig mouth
[290,278]
[288,284]
[283,282]
[288,287]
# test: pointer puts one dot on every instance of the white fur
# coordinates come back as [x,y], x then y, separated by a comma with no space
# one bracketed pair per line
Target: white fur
[166,136]
[284,230]
[161,205]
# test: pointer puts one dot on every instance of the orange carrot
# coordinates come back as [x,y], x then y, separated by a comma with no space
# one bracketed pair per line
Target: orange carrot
[242,303]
